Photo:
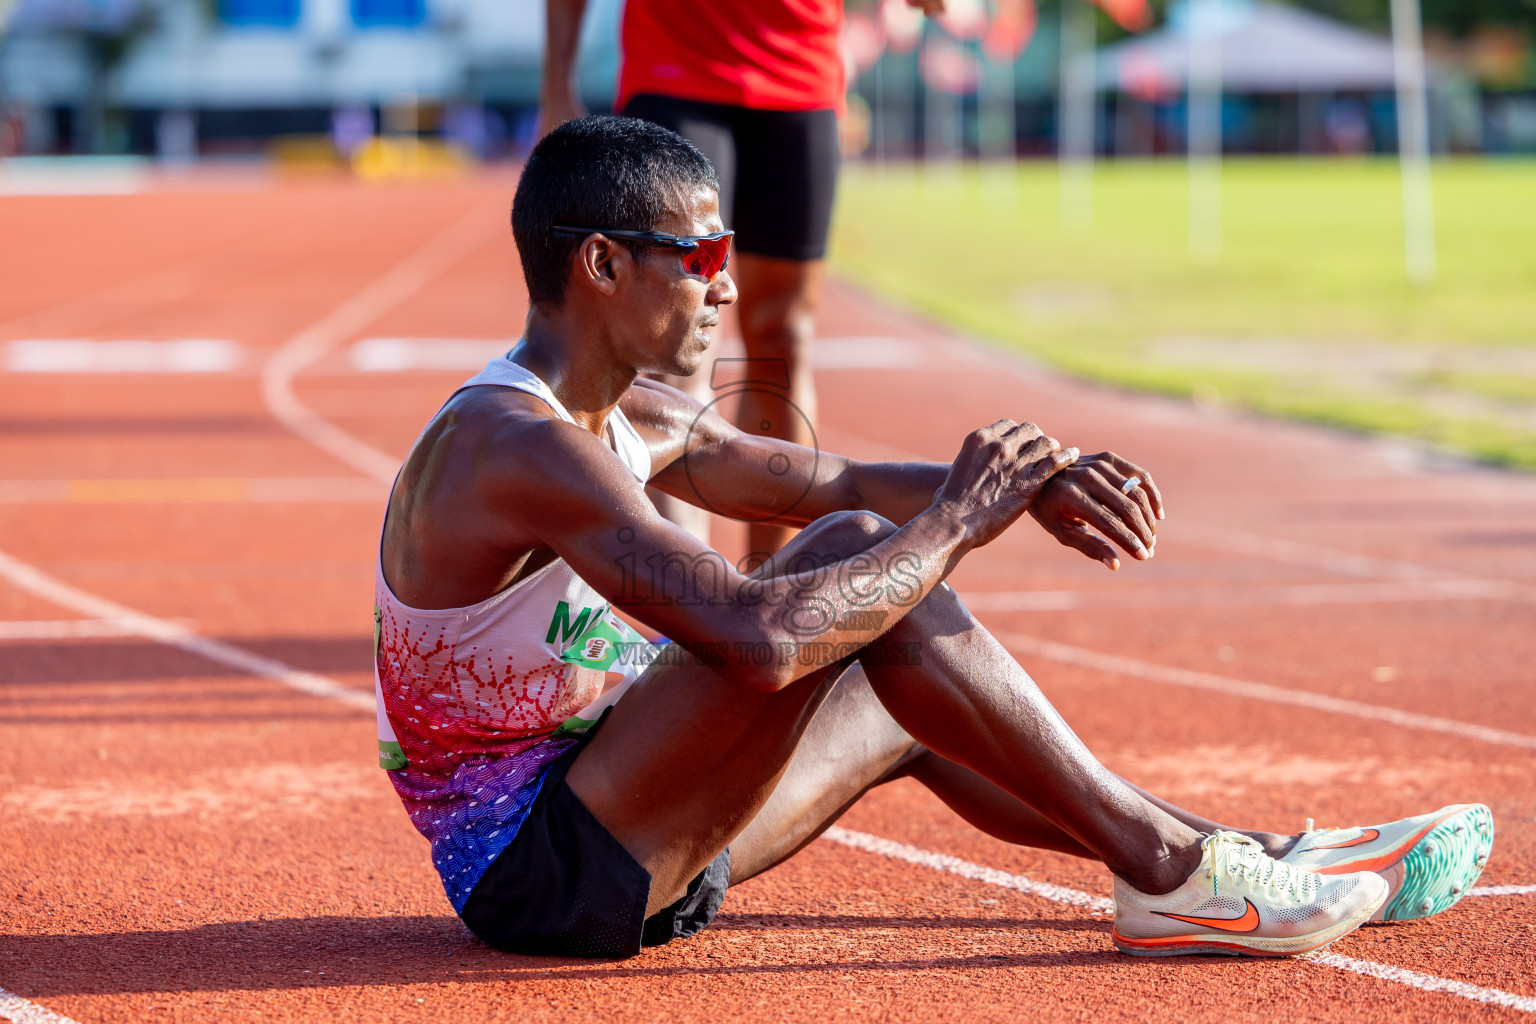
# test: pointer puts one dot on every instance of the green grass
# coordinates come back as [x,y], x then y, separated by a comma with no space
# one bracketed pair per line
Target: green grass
[1307,312]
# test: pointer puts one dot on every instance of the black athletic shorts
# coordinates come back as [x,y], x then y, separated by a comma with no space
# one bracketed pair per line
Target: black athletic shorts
[565,887]
[777,169]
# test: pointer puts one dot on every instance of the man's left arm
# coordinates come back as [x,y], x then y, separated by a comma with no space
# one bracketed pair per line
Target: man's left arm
[700,457]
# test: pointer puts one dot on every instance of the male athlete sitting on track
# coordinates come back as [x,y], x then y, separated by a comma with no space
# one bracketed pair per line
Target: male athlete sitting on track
[587,794]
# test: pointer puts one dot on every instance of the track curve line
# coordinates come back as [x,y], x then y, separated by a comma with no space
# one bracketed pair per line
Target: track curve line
[399,283]
[1119,665]
[1098,904]
[24,1011]
[175,634]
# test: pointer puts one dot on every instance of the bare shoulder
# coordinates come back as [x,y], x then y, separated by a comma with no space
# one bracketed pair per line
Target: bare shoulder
[669,420]
[511,439]
[496,476]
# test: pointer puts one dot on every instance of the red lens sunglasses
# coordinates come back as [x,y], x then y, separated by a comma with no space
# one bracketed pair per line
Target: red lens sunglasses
[704,255]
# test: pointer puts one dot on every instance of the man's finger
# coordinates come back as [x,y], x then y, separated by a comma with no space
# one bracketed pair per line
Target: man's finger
[1123,505]
[1047,463]
[1037,447]
[1139,494]
[993,431]
[1130,469]
[1026,431]
[1112,526]
[1077,535]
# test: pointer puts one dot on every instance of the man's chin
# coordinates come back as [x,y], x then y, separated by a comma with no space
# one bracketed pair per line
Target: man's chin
[687,363]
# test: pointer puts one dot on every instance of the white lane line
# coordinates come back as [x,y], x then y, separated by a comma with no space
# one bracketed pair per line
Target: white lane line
[77,355]
[401,282]
[1295,594]
[1501,890]
[180,490]
[1117,665]
[65,629]
[1100,905]
[876,353]
[1426,982]
[1274,549]
[1343,563]
[24,1011]
[965,869]
[397,355]
[174,634]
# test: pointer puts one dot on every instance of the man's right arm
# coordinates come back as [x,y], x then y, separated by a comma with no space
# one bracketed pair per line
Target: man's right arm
[567,492]
[558,102]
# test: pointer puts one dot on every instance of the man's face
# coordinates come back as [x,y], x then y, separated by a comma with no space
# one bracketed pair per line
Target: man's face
[668,313]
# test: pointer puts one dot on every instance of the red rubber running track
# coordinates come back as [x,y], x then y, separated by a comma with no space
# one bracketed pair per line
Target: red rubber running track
[194,829]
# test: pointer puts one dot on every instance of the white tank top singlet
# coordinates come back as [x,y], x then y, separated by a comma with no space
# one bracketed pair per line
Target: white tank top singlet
[474,702]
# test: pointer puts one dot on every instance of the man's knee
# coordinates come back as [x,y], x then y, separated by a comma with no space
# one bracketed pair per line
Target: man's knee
[829,539]
[779,333]
[853,531]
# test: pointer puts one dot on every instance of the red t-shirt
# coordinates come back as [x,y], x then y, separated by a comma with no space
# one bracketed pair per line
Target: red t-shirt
[763,54]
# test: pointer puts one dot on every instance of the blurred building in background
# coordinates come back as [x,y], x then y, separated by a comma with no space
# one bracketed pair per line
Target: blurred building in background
[185,77]
[318,79]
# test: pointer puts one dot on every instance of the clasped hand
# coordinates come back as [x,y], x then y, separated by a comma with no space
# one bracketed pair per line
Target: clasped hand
[1008,468]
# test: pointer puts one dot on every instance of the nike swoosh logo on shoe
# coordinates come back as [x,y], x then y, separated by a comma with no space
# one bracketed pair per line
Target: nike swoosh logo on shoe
[1363,837]
[1389,858]
[1249,922]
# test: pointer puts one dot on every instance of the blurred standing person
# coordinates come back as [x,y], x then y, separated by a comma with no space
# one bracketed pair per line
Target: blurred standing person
[757,86]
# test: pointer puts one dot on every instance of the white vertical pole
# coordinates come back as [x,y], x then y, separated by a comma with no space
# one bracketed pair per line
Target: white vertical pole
[943,128]
[998,144]
[877,117]
[1203,132]
[1413,141]
[1075,116]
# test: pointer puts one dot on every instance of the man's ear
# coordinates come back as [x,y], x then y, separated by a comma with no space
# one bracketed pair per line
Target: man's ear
[600,262]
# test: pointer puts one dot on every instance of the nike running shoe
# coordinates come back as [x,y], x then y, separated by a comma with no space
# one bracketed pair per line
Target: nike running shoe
[1429,861]
[1242,902]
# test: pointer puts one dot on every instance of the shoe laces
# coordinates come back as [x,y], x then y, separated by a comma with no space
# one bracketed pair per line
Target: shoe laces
[1237,856]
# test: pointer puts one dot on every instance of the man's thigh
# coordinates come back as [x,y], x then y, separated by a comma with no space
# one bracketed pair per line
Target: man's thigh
[685,760]
[688,758]
[851,745]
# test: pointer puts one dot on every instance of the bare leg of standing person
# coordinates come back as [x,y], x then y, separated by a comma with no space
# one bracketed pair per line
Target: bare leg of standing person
[778,322]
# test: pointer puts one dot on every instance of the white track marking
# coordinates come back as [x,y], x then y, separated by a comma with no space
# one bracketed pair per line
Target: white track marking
[174,634]
[1501,890]
[401,282]
[66,629]
[181,490]
[73,176]
[1274,549]
[1100,905]
[24,1011]
[75,355]
[1427,982]
[306,347]
[1118,665]
[1226,597]
[1343,563]
[874,353]
[397,355]
[965,869]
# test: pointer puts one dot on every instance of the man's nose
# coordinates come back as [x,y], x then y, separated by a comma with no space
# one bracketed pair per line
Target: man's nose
[722,290]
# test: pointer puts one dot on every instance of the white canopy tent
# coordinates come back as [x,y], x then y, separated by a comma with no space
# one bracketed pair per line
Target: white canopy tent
[1265,48]
[1217,46]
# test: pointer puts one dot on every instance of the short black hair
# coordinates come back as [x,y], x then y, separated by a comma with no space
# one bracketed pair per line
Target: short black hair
[599,172]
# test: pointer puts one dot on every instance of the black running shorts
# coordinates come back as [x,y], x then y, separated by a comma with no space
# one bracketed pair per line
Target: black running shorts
[565,887]
[777,169]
